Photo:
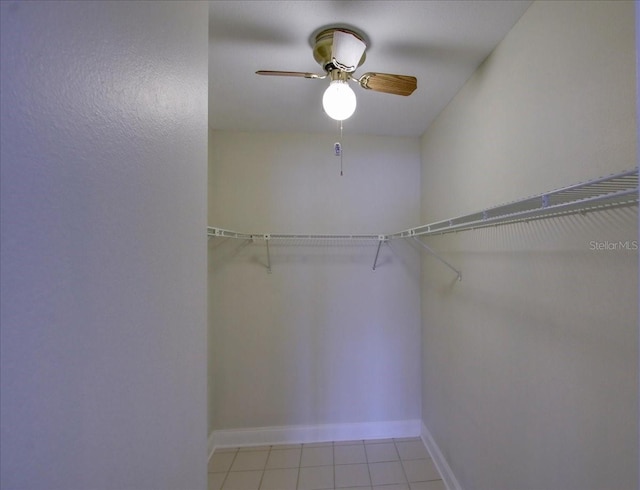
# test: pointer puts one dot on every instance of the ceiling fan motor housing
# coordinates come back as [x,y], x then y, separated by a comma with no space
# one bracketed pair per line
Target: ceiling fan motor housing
[323,49]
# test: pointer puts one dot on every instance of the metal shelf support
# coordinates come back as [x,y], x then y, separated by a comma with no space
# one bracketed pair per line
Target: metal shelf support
[266,241]
[432,252]
[381,240]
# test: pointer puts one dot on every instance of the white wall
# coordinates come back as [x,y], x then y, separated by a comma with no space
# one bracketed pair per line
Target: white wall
[530,364]
[323,339]
[103,185]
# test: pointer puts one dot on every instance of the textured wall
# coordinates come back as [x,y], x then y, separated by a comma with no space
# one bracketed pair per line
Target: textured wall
[103,185]
[323,339]
[530,363]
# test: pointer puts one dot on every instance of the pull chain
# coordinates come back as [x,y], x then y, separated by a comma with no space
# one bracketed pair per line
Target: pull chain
[337,148]
[341,149]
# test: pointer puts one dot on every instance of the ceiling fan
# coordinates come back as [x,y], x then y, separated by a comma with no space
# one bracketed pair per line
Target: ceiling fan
[340,51]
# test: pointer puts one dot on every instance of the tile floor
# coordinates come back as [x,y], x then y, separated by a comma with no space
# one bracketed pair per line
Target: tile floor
[383,464]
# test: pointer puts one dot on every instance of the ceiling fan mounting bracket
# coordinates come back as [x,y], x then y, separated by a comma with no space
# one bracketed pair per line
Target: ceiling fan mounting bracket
[323,47]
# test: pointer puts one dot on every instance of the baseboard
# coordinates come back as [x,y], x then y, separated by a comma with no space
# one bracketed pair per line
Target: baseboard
[262,436]
[438,459]
[211,444]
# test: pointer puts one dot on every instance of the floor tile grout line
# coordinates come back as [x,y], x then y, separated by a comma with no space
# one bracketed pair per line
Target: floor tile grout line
[406,477]
[224,480]
[333,459]
[264,468]
[299,467]
[366,458]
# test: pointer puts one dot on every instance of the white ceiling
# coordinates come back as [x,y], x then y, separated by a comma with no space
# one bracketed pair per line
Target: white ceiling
[439,42]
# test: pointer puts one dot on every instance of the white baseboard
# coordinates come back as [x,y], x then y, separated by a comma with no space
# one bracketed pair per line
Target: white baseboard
[262,436]
[438,459]
[211,444]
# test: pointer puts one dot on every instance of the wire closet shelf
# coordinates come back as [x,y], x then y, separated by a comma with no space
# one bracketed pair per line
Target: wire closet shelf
[615,190]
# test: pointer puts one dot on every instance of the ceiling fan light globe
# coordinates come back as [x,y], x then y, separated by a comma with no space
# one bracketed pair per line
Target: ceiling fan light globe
[339,100]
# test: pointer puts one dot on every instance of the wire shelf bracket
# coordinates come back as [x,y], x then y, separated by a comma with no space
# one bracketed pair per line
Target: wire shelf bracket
[432,252]
[381,240]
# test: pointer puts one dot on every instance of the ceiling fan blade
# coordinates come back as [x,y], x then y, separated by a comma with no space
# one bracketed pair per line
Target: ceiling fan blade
[299,74]
[347,50]
[389,83]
